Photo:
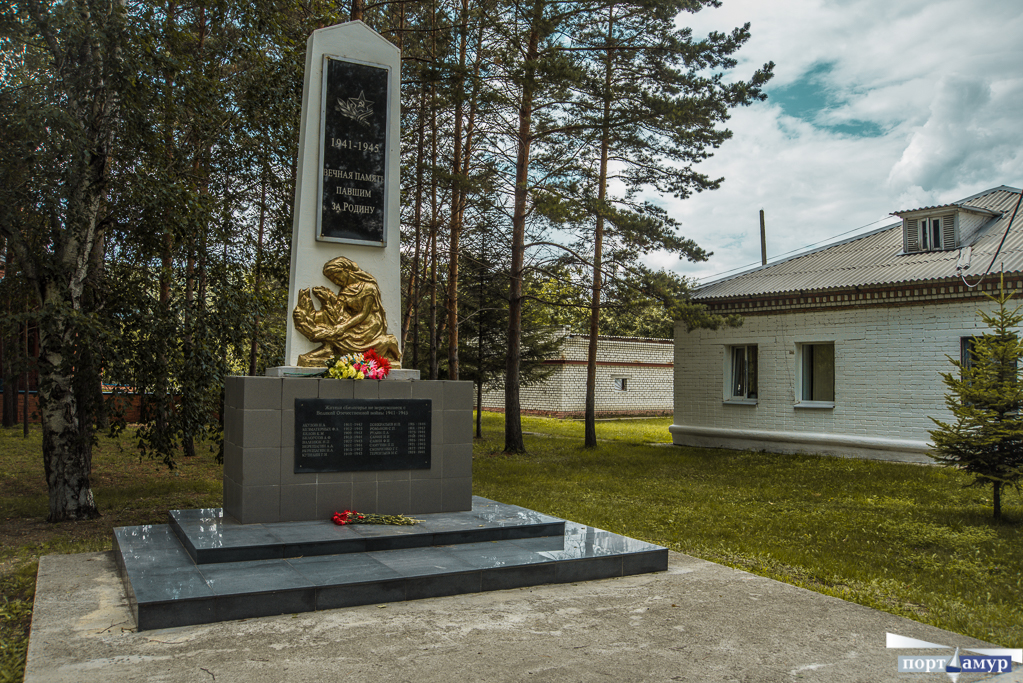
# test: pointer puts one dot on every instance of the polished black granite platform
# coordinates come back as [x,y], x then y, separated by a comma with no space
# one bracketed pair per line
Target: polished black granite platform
[209,538]
[201,568]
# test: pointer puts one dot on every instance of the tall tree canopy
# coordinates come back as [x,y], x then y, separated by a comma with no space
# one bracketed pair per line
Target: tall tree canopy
[61,112]
[148,152]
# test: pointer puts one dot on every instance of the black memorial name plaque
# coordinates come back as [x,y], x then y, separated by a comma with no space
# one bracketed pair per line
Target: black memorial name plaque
[359,435]
[353,152]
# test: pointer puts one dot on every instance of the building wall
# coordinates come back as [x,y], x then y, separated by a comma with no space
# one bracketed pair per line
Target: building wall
[888,362]
[646,364]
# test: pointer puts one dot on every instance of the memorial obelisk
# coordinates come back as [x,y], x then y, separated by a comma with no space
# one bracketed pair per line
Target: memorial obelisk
[299,447]
[346,199]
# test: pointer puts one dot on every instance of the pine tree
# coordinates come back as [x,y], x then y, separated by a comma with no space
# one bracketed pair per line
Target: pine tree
[652,104]
[985,398]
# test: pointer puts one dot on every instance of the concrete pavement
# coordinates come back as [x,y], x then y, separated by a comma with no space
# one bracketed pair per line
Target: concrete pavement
[698,621]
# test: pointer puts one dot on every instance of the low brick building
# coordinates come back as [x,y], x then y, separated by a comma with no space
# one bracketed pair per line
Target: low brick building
[634,377]
[842,349]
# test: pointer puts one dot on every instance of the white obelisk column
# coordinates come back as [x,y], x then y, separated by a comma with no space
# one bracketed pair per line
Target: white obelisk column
[347,189]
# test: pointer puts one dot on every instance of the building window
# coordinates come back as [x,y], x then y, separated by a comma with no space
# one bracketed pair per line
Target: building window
[966,356]
[743,372]
[817,372]
[933,233]
[621,383]
[930,234]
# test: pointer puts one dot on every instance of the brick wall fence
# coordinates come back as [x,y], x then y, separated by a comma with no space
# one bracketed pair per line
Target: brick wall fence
[131,404]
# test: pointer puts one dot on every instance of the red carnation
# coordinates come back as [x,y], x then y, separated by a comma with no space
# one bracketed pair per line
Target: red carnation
[380,360]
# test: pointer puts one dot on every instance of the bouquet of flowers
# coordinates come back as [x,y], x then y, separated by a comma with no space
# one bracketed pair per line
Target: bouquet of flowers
[353,517]
[366,365]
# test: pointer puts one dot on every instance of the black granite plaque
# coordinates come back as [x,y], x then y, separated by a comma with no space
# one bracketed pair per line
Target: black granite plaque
[353,152]
[359,435]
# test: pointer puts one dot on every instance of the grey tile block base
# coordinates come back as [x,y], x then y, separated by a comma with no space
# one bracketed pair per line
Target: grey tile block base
[259,456]
[204,567]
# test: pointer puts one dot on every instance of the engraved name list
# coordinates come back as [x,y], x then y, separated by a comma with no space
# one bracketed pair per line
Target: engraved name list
[358,435]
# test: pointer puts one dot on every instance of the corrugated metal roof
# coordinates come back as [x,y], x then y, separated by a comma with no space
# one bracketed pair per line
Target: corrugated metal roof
[968,203]
[876,258]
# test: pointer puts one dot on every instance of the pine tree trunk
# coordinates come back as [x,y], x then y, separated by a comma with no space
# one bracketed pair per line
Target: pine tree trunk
[188,398]
[457,199]
[434,367]
[997,499]
[598,246]
[258,284]
[8,344]
[434,228]
[513,442]
[434,211]
[10,413]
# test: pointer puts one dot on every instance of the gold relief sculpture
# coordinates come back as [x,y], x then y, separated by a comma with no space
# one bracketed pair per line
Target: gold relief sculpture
[351,321]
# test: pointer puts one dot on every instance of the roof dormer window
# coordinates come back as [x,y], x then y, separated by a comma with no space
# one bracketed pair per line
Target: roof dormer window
[930,233]
[943,228]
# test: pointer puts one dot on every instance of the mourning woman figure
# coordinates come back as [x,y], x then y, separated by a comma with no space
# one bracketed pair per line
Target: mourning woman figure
[351,321]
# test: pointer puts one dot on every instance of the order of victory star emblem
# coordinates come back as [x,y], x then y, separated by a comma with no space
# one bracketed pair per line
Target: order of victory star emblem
[356,108]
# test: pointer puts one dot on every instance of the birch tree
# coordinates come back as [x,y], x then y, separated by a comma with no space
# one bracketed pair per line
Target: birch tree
[64,117]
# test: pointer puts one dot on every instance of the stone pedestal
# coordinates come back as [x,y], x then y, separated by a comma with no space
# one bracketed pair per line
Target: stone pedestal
[261,486]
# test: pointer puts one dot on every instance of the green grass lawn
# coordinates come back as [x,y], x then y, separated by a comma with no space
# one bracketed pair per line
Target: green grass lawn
[907,539]
[128,492]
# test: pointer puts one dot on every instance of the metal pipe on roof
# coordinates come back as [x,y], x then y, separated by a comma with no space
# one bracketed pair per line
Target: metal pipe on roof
[763,240]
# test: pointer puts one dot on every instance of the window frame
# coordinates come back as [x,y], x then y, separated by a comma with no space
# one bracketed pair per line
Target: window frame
[966,351]
[620,383]
[966,354]
[930,233]
[803,349]
[751,392]
[927,233]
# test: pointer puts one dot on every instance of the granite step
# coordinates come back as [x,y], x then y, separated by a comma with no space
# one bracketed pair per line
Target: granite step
[167,588]
[209,537]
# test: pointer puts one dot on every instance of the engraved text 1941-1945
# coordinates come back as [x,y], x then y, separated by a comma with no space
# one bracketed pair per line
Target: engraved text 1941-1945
[353,153]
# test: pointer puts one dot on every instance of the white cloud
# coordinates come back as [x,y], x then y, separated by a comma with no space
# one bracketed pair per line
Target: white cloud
[950,137]
[938,79]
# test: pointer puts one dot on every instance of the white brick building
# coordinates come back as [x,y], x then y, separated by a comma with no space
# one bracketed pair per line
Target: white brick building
[841,349]
[634,377]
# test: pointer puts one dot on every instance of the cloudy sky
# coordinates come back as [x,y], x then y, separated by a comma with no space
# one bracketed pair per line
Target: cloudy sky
[876,106]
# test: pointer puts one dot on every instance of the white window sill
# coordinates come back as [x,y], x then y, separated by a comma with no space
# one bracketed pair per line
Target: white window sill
[739,402]
[815,405]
